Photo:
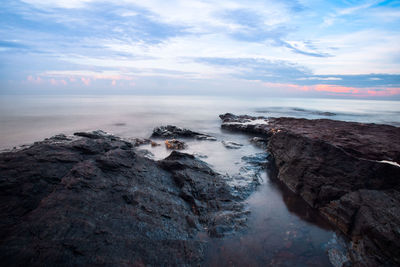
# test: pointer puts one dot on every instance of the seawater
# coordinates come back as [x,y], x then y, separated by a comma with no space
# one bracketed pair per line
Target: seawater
[282,230]
[25,119]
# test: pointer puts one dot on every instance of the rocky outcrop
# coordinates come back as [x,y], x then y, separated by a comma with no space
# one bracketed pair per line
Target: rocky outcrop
[92,199]
[171,131]
[347,170]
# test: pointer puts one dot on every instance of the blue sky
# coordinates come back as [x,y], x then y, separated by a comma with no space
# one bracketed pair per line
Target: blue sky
[278,48]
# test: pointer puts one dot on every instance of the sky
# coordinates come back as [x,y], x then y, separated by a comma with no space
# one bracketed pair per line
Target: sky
[298,48]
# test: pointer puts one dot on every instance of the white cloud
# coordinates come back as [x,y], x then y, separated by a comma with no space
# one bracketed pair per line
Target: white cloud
[210,33]
[58,3]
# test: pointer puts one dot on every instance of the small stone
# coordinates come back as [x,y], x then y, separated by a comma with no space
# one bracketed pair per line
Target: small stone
[175,144]
[154,143]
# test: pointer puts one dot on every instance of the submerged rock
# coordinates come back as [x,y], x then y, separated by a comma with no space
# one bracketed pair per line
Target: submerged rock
[339,168]
[231,145]
[93,199]
[249,176]
[171,131]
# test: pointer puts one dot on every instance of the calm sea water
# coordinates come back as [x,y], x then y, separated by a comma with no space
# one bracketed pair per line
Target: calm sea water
[282,229]
[25,119]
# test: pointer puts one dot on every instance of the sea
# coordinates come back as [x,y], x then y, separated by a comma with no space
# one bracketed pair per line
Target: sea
[281,229]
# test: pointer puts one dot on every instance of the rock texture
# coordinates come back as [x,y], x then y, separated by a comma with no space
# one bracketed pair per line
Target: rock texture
[92,199]
[347,170]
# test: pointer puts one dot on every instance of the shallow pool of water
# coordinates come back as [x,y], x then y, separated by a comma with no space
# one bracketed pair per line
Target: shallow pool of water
[282,230]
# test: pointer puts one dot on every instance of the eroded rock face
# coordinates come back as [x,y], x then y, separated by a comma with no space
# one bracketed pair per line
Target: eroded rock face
[337,168]
[92,199]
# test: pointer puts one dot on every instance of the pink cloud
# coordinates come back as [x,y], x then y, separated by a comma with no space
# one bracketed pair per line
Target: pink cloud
[114,82]
[332,89]
[32,79]
[86,81]
[335,88]
[53,81]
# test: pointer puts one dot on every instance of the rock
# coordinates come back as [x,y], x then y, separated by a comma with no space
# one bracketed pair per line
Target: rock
[171,131]
[371,218]
[244,123]
[141,141]
[339,168]
[209,199]
[231,145]
[200,155]
[249,176]
[258,159]
[93,135]
[93,199]
[175,144]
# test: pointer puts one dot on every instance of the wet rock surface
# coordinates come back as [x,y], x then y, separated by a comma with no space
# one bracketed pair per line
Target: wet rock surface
[93,199]
[249,177]
[337,167]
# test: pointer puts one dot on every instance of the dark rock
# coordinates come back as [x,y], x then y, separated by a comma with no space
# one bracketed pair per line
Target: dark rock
[341,169]
[203,190]
[92,199]
[200,155]
[371,218]
[141,141]
[171,131]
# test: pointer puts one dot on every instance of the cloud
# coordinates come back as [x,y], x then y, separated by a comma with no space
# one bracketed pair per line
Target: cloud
[69,4]
[330,20]
[320,78]
[302,48]
[336,90]
[86,81]
[260,69]
[91,43]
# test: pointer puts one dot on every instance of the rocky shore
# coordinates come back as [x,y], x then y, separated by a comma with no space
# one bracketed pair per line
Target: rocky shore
[94,199]
[349,171]
[97,199]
